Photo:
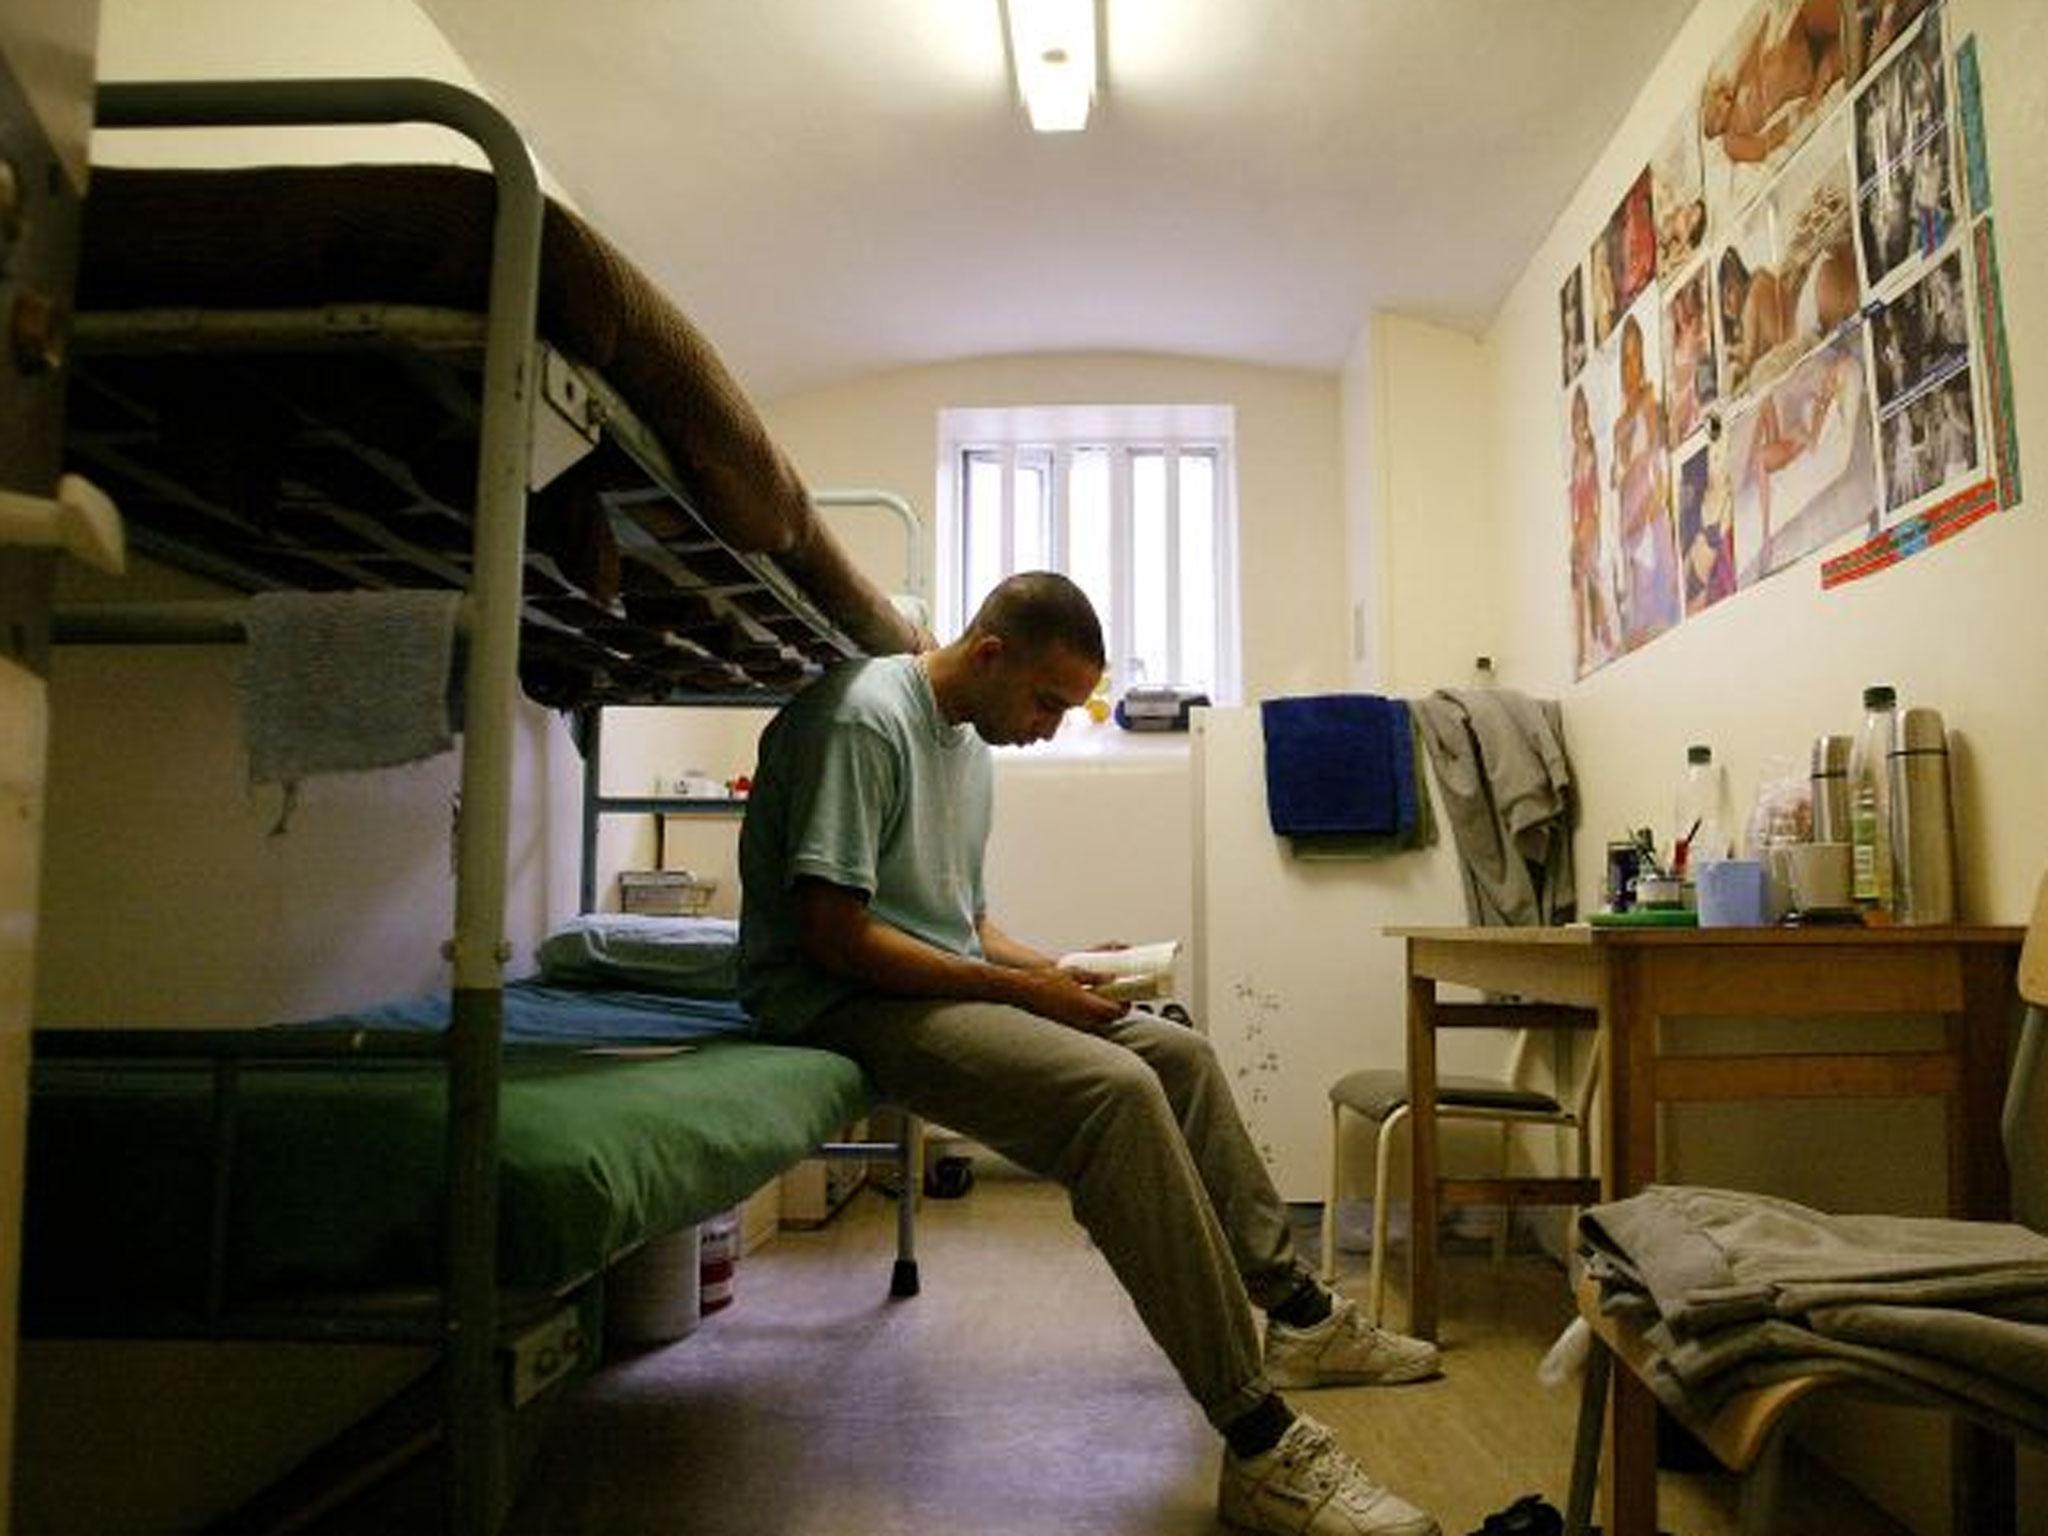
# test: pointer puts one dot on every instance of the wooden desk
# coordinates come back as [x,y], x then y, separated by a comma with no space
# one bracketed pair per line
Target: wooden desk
[1637,978]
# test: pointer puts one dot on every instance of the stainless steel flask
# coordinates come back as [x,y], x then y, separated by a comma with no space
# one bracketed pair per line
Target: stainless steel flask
[1829,776]
[1923,820]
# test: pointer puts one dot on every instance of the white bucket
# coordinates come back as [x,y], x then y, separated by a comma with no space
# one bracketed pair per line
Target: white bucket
[651,1295]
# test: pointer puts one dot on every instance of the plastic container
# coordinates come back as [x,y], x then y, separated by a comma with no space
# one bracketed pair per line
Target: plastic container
[1733,894]
[718,1243]
[1923,820]
[1870,804]
[1701,810]
[650,1296]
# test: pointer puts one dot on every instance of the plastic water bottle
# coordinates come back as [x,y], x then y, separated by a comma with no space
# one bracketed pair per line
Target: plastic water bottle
[1870,809]
[1701,809]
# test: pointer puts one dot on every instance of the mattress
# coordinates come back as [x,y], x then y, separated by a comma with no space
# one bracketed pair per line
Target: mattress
[342,453]
[338,1167]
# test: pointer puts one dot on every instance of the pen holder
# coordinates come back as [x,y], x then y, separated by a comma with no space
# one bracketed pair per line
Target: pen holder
[1660,892]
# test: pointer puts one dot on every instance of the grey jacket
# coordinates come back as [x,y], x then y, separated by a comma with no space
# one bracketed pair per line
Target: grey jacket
[1505,782]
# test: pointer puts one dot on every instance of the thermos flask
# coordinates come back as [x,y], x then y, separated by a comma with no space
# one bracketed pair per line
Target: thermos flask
[1923,820]
[1829,777]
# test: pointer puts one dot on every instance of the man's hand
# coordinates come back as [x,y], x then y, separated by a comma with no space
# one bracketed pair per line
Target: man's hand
[1065,998]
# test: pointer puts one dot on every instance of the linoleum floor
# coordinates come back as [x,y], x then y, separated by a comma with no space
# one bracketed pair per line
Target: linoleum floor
[1019,1396]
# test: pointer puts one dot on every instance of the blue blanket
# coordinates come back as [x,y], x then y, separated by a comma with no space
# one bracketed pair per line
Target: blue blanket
[539,1013]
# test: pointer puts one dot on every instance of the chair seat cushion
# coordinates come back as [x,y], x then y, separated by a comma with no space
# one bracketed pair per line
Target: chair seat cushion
[1377,1092]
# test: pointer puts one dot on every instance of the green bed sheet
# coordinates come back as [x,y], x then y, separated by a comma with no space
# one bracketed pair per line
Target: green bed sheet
[338,1170]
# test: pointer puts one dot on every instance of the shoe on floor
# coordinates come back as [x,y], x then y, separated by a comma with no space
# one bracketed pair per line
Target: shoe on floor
[1345,1350]
[1307,1486]
[1530,1515]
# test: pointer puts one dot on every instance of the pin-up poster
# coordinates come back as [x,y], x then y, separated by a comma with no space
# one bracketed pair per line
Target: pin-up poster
[1596,599]
[1638,469]
[1678,196]
[1707,551]
[1804,344]
[1571,324]
[1623,260]
[1787,277]
[1778,77]
[1691,383]
[1801,462]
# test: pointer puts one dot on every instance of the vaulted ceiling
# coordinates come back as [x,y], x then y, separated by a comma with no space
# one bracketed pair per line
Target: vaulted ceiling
[833,187]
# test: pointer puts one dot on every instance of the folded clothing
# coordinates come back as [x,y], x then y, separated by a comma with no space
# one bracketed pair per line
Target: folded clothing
[1333,765]
[689,956]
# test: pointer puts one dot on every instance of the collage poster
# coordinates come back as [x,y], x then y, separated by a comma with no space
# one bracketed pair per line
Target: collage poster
[1772,345]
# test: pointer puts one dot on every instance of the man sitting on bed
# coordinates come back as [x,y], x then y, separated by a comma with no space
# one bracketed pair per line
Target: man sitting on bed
[863,929]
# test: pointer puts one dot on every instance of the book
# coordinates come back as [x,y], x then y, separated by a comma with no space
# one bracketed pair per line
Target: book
[1138,973]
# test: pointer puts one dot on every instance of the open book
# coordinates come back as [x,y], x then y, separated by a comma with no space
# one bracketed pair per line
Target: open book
[1137,973]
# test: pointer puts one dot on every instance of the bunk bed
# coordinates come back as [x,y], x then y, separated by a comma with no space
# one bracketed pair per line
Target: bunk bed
[407,379]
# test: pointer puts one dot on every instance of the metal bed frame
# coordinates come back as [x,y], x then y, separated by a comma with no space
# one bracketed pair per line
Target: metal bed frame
[468,1319]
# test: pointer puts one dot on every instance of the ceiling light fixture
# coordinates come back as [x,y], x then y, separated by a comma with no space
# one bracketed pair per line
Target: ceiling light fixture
[1052,51]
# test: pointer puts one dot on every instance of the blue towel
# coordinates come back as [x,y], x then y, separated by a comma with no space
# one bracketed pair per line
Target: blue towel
[1405,811]
[1334,764]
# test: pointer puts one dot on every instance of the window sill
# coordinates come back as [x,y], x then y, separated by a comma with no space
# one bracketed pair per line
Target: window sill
[1104,743]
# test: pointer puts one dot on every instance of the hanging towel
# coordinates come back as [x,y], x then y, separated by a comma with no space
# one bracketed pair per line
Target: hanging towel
[1415,828]
[335,681]
[1331,764]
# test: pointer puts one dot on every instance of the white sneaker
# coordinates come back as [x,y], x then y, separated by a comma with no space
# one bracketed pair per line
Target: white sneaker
[1307,1486]
[1345,1350]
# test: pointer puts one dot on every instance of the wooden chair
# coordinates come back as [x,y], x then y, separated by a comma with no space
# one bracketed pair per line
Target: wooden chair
[1380,1095]
[1745,1435]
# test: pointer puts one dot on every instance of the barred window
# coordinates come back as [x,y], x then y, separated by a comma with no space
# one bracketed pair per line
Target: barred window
[1137,504]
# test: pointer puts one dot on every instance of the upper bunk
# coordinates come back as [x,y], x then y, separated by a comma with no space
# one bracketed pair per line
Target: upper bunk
[278,374]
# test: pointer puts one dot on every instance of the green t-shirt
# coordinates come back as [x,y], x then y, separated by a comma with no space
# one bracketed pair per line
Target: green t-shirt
[860,782]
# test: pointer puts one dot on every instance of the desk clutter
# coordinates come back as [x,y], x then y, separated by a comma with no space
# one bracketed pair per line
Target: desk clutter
[1865,834]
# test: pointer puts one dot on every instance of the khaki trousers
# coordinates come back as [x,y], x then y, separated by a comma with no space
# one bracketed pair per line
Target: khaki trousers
[1138,1124]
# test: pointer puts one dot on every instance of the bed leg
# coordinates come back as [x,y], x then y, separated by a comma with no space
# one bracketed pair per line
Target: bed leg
[910,1152]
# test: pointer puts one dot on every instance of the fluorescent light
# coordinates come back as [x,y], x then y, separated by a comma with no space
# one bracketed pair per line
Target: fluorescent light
[1052,48]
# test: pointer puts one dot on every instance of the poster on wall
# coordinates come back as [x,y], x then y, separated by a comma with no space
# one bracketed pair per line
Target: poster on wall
[1678,197]
[1802,461]
[1571,323]
[1926,398]
[1691,382]
[1706,527]
[1821,319]
[1876,24]
[1624,259]
[1905,171]
[1787,277]
[1778,77]
[1639,471]
[1596,603]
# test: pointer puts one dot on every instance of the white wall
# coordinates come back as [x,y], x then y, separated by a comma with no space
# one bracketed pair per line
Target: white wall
[282,39]
[1099,847]
[884,430]
[166,900]
[1095,846]
[1960,627]
[1432,551]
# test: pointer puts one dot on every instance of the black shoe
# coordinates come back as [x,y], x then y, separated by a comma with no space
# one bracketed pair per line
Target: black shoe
[1530,1515]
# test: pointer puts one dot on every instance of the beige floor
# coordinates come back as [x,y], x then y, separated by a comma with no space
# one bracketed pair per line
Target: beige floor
[1019,1395]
